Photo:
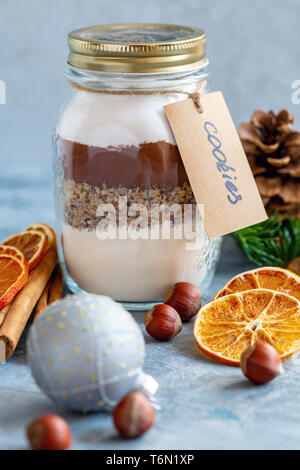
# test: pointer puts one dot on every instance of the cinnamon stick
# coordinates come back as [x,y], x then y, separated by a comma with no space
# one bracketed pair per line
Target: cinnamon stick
[3,313]
[43,302]
[56,287]
[52,292]
[23,304]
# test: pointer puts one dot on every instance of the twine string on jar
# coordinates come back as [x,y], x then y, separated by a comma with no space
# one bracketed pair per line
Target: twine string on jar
[195,96]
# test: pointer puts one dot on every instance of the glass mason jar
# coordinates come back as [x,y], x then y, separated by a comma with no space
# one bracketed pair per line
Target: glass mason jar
[123,198]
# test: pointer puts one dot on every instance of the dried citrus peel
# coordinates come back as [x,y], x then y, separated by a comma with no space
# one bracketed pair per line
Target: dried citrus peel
[277,279]
[13,251]
[31,243]
[46,230]
[13,276]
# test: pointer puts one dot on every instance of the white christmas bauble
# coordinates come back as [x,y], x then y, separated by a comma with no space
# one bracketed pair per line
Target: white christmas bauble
[86,352]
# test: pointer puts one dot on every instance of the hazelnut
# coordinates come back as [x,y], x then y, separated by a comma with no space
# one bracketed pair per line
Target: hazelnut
[261,363]
[185,298]
[294,266]
[134,415]
[163,322]
[49,432]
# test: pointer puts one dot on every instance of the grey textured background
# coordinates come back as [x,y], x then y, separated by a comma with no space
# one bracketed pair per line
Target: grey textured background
[253,47]
[205,405]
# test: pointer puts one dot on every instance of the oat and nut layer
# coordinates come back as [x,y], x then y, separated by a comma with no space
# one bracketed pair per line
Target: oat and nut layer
[81,200]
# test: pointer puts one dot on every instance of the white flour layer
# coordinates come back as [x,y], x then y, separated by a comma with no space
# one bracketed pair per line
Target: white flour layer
[130,270]
[102,120]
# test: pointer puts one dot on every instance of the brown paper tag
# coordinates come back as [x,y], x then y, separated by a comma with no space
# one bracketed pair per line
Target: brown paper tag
[216,164]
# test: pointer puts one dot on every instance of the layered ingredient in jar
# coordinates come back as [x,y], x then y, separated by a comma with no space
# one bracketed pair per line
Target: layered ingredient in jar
[121,146]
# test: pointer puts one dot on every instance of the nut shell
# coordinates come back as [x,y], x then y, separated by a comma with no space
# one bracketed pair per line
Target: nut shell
[134,415]
[163,322]
[49,432]
[261,363]
[185,298]
[294,266]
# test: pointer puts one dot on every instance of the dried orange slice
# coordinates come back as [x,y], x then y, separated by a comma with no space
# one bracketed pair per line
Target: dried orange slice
[13,276]
[225,327]
[46,230]
[278,279]
[31,243]
[13,251]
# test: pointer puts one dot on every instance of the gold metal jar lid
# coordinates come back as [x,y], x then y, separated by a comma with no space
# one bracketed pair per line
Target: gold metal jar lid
[137,48]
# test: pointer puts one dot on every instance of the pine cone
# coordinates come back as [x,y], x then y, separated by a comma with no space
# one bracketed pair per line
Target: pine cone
[272,147]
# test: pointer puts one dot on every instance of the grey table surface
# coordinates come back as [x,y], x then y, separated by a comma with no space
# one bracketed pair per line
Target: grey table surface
[204,405]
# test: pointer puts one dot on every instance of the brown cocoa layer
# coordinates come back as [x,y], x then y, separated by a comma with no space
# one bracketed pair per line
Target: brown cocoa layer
[81,200]
[149,164]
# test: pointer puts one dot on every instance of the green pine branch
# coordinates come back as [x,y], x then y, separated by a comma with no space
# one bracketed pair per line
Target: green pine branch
[271,243]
